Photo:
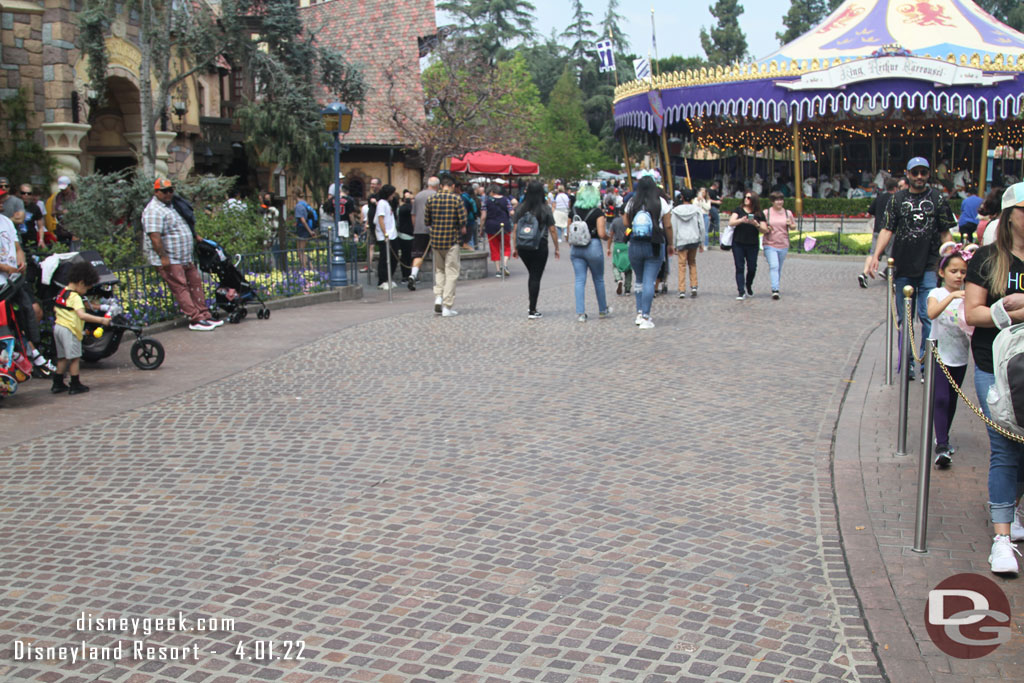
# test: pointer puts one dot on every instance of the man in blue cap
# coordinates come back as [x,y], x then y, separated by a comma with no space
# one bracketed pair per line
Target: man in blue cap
[918,221]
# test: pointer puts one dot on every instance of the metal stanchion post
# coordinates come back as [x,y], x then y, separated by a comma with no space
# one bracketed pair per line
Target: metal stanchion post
[889,329]
[501,251]
[906,362]
[925,466]
[387,256]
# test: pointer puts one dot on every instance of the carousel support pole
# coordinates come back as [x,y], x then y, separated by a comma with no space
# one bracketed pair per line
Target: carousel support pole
[983,161]
[952,155]
[935,162]
[874,156]
[625,158]
[669,184]
[798,170]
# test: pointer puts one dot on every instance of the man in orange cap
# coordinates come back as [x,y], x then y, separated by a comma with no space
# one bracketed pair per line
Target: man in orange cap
[168,246]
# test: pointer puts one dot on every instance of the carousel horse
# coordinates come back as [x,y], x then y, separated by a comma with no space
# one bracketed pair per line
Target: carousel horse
[961,180]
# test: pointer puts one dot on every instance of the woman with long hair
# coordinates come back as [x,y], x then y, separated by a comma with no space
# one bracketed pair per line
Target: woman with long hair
[645,251]
[535,259]
[590,257]
[703,203]
[748,220]
[994,300]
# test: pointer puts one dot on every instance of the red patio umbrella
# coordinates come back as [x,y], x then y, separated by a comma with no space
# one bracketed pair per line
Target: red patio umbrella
[493,163]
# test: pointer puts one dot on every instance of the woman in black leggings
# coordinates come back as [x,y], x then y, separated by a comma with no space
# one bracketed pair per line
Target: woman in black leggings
[535,259]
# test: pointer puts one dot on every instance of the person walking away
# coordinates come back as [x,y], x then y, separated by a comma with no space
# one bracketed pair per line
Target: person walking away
[535,214]
[994,300]
[304,230]
[446,216]
[877,210]
[403,245]
[918,221]
[702,202]
[70,317]
[649,227]
[618,247]
[420,228]
[946,310]
[748,222]
[776,241]
[468,239]
[689,231]
[561,211]
[589,256]
[168,246]
[497,220]
[387,233]
[968,221]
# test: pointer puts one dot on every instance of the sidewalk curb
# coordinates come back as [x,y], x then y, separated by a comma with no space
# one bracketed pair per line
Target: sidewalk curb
[346,293]
[893,642]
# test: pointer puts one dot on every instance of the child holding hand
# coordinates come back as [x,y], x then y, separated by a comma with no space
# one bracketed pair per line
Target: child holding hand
[952,336]
[69,310]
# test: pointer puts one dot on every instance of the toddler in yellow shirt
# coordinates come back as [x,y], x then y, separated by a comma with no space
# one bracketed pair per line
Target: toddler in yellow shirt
[69,310]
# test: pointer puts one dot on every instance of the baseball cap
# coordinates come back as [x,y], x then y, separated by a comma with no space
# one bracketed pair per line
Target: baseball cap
[918,161]
[63,182]
[1014,196]
[163,184]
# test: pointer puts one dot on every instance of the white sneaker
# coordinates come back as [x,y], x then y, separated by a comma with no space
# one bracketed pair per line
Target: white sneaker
[639,318]
[438,301]
[1016,528]
[448,312]
[384,285]
[1001,559]
[646,324]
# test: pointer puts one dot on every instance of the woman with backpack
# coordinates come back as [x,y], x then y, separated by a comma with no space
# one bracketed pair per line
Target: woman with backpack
[586,250]
[497,220]
[534,222]
[776,242]
[993,301]
[648,223]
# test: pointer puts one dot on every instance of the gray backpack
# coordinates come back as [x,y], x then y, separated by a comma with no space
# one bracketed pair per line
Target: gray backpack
[579,232]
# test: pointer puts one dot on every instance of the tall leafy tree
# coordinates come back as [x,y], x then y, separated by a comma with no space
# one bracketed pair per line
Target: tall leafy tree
[803,15]
[567,146]
[546,61]
[725,43]
[611,26]
[582,34]
[492,25]
[1010,12]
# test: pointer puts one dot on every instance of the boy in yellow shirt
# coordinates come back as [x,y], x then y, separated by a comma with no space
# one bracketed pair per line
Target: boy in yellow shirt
[71,317]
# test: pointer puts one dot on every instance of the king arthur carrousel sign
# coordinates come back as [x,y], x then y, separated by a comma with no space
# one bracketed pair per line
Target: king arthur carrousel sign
[936,71]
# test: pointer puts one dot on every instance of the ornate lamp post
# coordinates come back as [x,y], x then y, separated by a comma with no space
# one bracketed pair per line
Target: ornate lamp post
[337,119]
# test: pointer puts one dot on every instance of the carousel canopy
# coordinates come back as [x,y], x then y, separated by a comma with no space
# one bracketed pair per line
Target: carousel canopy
[493,163]
[944,57]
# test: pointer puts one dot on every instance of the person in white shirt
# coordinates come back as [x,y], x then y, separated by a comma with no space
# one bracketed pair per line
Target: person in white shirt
[385,231]
[560,207]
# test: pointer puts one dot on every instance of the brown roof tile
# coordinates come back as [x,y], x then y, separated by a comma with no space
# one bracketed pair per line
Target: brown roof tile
[377,35]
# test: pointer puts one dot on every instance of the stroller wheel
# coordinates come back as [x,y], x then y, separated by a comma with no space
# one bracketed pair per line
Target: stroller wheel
[235,318]
[259,314]
[245,313]
[266,314]
[147,354]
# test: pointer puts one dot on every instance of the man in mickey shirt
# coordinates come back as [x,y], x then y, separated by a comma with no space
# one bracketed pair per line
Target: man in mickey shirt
[918,221]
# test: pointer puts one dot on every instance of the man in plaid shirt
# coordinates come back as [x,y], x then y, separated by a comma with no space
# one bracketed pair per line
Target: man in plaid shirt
[168,246]
[446,216]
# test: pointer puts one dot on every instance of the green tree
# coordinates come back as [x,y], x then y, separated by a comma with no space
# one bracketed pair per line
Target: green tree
[803,15]
[611,27]
[568,150]
[546,61]
[725,42]
[492,25]
[581,33]
[679,63]
[22,159]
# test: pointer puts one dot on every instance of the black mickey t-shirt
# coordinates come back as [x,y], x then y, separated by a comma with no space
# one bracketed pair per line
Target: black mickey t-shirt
[978,270]
[916,221]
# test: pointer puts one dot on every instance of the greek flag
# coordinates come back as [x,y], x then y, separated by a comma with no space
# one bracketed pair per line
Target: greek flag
[606,55]
[642,67]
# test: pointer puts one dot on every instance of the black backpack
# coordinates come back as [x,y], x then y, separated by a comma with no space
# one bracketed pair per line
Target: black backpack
[185,210]
[529,234]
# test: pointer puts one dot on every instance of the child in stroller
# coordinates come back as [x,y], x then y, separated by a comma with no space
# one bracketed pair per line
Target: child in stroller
[15,366]
[233,292]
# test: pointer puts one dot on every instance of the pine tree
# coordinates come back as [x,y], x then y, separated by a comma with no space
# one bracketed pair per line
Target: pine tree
[803,15]
[567,145]
[611,27]
[1010,12]
[492,25]
[725,43]
[582,35]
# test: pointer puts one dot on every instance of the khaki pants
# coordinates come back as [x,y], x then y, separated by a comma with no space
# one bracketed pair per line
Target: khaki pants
[446,272]
[687,261]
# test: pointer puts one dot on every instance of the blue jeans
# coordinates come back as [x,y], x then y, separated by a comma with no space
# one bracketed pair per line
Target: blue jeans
[707,231]
[645,258]
[775,258]
[1004,470]
[919,303]
[592,257]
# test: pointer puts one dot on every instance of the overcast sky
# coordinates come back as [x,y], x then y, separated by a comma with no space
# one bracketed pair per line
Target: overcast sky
[678,31]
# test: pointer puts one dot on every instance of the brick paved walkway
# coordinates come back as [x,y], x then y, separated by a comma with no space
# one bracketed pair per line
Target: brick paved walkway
[483,498]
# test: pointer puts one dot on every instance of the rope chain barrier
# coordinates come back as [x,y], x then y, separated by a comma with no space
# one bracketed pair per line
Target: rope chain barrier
[999,429]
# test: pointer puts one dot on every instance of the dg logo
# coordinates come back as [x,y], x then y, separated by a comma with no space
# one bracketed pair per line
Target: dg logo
[967,616]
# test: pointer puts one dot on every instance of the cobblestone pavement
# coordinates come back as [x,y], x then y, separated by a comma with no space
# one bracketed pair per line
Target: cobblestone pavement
[481,498]
[877,495]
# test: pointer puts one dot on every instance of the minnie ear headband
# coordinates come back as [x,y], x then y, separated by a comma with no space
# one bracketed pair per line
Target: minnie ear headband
[951,249]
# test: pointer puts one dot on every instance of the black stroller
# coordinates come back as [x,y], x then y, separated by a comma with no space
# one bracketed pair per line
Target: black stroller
[233,292]
[146,353]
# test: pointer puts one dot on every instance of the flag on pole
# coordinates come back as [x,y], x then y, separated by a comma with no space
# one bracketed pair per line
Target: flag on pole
[606,55]
[654,40]
[642,67]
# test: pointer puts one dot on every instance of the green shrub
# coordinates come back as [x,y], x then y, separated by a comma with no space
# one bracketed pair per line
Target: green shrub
[239,230]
